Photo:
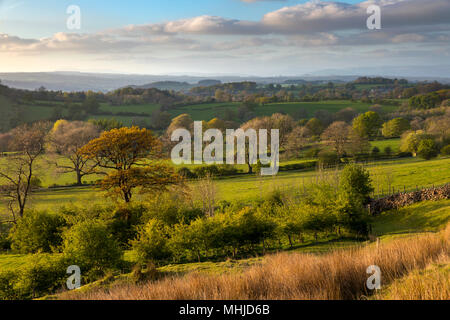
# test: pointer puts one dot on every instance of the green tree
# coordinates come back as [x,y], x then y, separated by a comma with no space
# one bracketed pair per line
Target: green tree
[355,187]
[90,244]
[395,127]
[428,149]
[151,243]
[37,232]
[367,124]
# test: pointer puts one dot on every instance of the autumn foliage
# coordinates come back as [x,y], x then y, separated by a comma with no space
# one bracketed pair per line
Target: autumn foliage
[130,156]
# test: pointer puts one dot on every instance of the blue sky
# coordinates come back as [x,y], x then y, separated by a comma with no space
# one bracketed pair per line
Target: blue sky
[258,37]
[31,18]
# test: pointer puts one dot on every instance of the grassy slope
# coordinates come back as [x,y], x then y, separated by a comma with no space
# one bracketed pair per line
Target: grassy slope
[433,283]
[407,173]
[420,217]
[425,216]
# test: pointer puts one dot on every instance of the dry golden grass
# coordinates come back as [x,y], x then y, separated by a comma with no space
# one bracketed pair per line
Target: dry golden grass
[337,275]
[432,283]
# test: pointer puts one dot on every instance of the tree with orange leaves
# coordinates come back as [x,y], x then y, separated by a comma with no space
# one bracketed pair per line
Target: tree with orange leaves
[126,152]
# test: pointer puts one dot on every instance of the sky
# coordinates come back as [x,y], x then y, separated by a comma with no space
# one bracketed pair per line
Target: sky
[239,37]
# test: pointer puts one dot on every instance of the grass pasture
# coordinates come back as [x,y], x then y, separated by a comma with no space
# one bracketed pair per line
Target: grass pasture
[208,111]
[407,173]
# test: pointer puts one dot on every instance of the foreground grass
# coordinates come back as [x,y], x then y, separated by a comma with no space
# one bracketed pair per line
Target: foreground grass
[337,275]
[433,283]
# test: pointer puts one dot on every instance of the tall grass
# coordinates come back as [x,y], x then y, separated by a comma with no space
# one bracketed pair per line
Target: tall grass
[337,275]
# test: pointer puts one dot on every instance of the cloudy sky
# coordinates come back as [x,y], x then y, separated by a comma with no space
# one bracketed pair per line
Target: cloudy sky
[247,37]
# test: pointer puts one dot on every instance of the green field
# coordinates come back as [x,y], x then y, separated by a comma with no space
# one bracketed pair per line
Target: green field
[402,174]
[209,111]
[44,109]
[382,144]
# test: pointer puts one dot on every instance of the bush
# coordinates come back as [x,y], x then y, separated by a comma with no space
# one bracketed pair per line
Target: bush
[5,241]
[186,173]
[90,244]
[312,153]
[204,171]
[375,151]
[37,231]
[388,151]
[445,151]
[328,158]
[124,222]
[42,274]
[299,166]
[151,245]
[171,209]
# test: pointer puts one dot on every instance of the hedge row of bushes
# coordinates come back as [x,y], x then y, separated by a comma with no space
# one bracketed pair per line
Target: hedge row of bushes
[209,170]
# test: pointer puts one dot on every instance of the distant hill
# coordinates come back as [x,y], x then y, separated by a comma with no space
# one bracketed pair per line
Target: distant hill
[79,81]
[167,85]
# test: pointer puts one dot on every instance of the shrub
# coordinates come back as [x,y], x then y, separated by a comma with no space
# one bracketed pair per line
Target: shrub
[186,173]
[312,153]
[427,149]
[90,244]
[126,218]
[445,151]
[37,231]
[151,243]
[5,241]
[42,274]
[204,171]
[388,150]
[328,158]
[171,209]
[375,151]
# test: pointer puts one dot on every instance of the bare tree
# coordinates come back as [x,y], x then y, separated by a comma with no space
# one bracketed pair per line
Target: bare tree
[299,138]
[66,139]
[337,136]
[205,190]
[17,173]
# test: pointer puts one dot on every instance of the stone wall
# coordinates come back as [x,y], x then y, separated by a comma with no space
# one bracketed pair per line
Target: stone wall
[399,200]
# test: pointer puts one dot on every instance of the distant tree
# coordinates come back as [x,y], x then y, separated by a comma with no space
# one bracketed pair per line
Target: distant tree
[106,124]
[428,149]
[388,150]
[324,116]
[357,144]
[411,140]
[347,115]
[5,139]
[91,105]
[66,139]
[182,121]
[439,127]
[126,153]
[367,124]
[395,127]
[297,139]
[315,126]
[161,119]
[337,136]
[18,173]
